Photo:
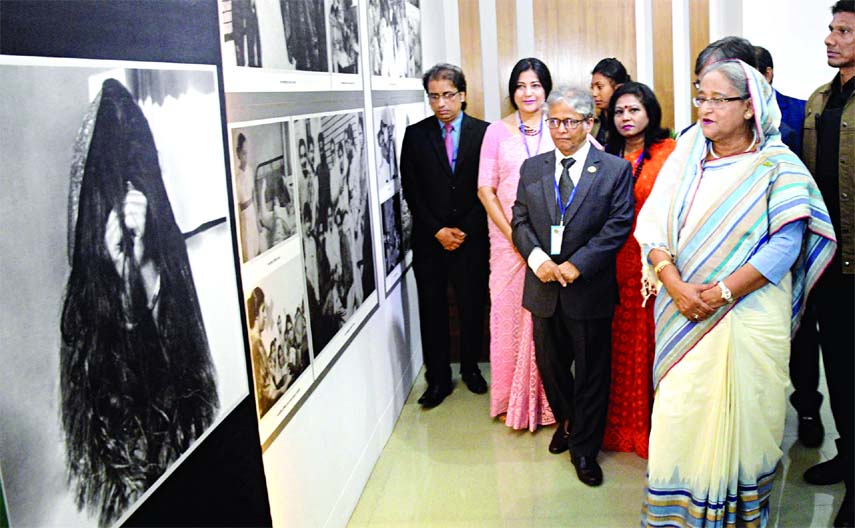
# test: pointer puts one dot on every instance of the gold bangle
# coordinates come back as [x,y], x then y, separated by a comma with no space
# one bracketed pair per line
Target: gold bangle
[661,266]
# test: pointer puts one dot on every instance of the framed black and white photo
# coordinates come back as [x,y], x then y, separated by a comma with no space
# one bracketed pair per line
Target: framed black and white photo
[121,305]
[343,21]
[395,43]
[270,45]
[279,343]
[263,183]
[335,220]
[386,149]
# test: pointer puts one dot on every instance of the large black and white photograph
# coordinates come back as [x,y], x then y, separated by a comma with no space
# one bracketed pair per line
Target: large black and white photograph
[395,38]
[386,149]
[278,339]
[122,290]
[263,187]
[278,35]
[344,35]
[335,218]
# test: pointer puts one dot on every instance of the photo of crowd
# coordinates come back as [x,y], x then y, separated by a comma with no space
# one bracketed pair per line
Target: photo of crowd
[335,219]
[264,187]
[395,38]
[284,35]
[278,335]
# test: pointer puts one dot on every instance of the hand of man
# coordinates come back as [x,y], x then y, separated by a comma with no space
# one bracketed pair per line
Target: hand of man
[550,272]
[569,271]
[450,238]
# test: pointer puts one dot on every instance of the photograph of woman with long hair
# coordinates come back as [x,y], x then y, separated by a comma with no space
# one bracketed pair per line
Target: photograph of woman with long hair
[120,288]
[137,382]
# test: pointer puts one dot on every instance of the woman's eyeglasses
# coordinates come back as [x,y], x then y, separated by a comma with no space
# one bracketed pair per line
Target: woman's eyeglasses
[715,102]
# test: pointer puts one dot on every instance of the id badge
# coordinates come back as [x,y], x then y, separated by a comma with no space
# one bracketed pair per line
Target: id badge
[556,236]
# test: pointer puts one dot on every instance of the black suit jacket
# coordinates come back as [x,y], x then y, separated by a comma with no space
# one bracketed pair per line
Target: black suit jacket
[596,225]
[436,197]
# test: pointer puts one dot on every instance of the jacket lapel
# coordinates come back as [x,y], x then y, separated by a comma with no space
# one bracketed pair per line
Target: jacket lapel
[589,172]
[439,146]
[548,185]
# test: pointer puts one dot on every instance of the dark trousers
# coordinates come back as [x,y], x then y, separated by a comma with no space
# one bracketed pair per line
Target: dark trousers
[559,343]
[466,269]
[832,306]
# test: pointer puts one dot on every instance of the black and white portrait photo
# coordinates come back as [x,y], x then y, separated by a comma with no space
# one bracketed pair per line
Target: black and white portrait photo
[264,187]
[335,218]
[386,149]
[395,44]
[278,334]
[122,339]
[282,35]
[344,35]
[393,240]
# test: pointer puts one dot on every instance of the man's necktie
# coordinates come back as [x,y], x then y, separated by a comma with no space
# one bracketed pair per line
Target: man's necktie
[565,184]
[449,145]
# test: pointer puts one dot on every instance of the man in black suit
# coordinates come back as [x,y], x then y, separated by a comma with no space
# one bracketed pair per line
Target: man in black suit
[439,175]
[573,212]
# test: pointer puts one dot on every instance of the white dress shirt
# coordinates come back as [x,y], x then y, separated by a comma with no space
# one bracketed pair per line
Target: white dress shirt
[538,256]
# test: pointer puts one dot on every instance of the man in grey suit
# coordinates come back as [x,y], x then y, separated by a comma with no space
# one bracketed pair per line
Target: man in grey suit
[573,212]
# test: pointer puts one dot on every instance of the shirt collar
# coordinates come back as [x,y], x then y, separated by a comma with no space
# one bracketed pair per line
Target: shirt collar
[454,124]
[580,155]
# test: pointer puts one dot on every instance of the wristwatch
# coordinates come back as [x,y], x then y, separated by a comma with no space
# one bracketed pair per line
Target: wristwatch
[726,294]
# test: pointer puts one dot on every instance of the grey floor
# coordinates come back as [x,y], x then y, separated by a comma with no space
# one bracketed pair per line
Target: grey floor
[455,466]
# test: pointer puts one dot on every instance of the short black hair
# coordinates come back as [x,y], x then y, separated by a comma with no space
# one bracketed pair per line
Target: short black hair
[448,72]
[539,69]
[613,69]
[726,48]
[654,132]
[763,59]
[843,6]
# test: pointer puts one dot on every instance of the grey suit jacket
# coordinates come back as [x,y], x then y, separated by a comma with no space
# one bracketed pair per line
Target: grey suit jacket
[597,224]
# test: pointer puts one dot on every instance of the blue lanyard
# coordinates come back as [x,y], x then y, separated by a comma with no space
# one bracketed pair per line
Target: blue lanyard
[525,141]
[563,209]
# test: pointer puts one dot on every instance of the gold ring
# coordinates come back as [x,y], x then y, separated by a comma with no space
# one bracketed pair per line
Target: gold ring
[696,317]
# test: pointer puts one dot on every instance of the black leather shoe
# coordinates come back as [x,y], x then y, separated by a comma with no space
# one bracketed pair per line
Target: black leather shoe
[560,440]
[434,395]
[587,469]
[475,382]
[844,516]
[828,472]
[811,431]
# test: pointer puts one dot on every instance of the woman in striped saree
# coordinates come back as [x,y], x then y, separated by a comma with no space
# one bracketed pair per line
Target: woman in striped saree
[733,236]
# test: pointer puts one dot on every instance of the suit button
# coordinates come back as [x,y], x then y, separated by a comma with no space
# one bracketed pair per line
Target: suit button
[453,187]
[844,197]
[846,263]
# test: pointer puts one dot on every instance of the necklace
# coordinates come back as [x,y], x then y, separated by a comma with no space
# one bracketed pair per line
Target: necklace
[750,146]
[528,131]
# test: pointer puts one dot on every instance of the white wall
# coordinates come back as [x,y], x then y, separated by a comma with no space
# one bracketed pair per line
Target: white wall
[793,31]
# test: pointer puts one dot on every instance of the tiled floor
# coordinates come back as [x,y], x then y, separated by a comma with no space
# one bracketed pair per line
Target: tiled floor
[454,466]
